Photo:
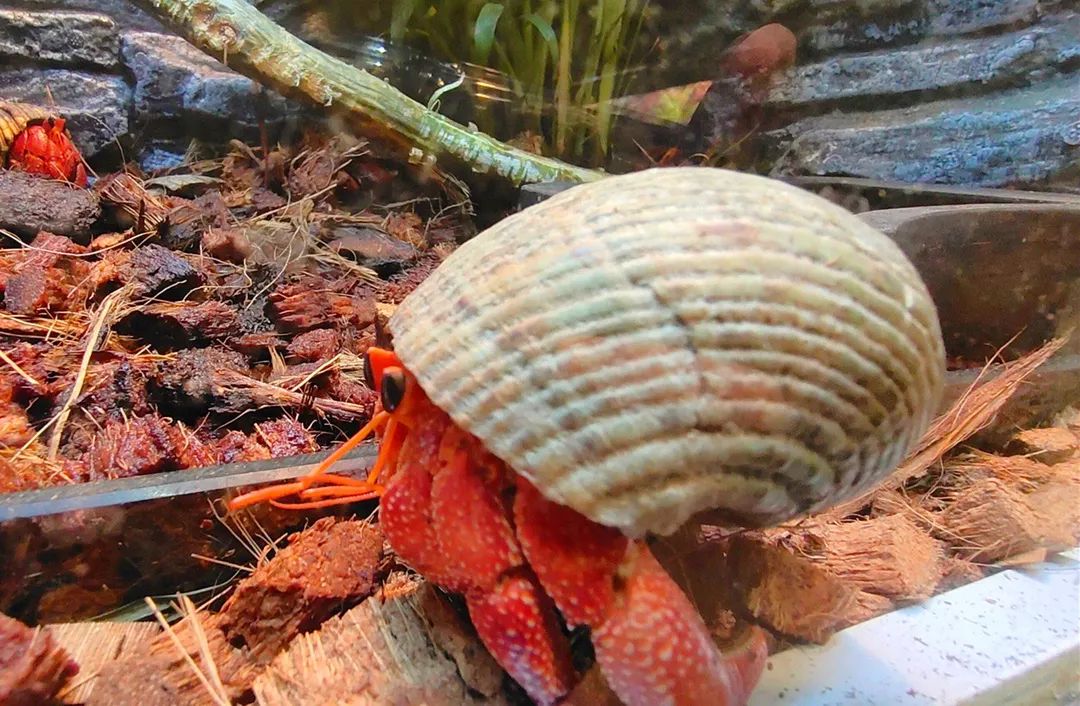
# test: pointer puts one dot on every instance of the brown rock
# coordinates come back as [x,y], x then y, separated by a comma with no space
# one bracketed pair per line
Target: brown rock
[315,345]
[183,324]
[162,273]
[764,51]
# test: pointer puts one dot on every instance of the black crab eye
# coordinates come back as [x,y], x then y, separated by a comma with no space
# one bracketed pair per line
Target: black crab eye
[393,388]
[369,376]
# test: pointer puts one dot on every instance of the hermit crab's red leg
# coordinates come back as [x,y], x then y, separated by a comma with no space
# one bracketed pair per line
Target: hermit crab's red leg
[517,623]
[481,558]
[404,511]
[598,578]
[363,489]
[652,616]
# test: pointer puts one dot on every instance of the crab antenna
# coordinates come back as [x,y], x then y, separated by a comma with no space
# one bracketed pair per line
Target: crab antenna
[362,489]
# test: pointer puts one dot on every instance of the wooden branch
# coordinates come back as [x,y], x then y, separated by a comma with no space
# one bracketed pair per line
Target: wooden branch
[240,36]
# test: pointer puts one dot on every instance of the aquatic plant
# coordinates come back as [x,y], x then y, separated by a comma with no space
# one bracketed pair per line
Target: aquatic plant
[566,59]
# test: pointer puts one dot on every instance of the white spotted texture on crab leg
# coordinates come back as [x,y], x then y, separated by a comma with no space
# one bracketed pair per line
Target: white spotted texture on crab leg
[655,650]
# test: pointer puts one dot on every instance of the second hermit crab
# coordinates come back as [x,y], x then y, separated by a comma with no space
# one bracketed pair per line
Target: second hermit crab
[35,140]
[608,364]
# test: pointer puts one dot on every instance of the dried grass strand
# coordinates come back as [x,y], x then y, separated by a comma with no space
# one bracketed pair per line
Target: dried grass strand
[216,697]
[22,373]
[972,412]
[84,367]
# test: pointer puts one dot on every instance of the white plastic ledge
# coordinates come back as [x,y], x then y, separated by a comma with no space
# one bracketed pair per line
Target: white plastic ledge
[1012,638]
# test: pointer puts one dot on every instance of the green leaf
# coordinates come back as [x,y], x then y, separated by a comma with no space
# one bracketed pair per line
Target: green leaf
[546,31]
[401,13]
[484,31]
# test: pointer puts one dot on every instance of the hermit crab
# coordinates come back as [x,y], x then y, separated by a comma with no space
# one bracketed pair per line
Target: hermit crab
[34,140]
[607,366]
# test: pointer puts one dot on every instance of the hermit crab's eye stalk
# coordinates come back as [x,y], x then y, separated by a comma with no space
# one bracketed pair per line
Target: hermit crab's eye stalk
[393,388]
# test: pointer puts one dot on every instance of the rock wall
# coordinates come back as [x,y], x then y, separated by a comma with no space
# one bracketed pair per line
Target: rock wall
[978,92]
[124,83]
[982,92]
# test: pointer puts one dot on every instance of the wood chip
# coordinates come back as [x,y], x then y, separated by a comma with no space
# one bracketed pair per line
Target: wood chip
[408,650]
[990,521]
[95,644]
[327,567]
[790,594]
[888,556]
[1050,444]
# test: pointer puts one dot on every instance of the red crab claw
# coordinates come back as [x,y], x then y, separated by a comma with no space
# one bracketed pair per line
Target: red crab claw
[650,641]
[45,148]
[454,527]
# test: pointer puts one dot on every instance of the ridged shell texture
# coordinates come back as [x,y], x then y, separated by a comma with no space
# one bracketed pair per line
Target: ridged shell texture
[652,345]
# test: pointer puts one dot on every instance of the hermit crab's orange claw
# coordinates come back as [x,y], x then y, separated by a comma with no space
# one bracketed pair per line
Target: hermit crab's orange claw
[517,623]
[653,617]
[597,577]
[321,488]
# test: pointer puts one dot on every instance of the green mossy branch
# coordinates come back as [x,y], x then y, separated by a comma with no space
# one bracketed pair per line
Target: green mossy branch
[238,35]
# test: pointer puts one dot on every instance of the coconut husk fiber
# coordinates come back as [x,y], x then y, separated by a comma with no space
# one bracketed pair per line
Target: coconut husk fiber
[888,556]
[410,649]
[329,566]
[989,521]
[789,593]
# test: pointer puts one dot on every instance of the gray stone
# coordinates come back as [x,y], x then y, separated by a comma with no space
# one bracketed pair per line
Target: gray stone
[995,60]
[854,24]
[1013,137]
[30,204]
[702,30]
[71,38]
[174,79]
[95,105]
[126,13]
[951,17]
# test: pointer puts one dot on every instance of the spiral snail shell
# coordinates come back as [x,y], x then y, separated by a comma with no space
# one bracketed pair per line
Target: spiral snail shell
[649,346]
